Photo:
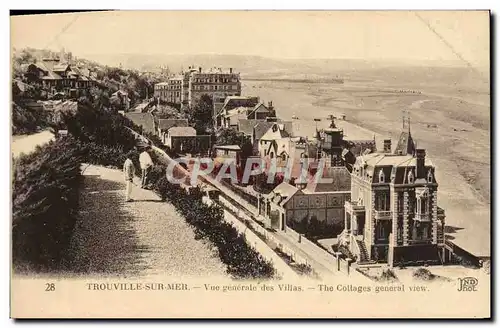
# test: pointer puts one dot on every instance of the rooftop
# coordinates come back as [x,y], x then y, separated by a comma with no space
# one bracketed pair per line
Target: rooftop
[182,131]
[335,179]
[166,124]
[282,193]
[246,126]
[228,147]
[382,159]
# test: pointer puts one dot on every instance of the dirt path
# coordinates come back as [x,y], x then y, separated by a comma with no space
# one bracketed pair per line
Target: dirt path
[142,238]
[27,143]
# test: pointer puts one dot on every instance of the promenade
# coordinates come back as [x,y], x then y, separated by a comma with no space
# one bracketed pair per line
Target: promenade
[142,238]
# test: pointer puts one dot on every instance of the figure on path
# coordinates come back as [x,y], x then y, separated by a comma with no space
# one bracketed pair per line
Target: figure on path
[128,173]
[146,165]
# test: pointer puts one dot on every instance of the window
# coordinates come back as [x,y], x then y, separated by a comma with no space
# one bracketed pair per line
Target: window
[381,231]
[383,201]
[381,176]
[410,177]
[401,202]
[429,176]
[425,232]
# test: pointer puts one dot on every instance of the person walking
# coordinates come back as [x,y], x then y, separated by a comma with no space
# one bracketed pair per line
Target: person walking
[128,174]
[146,165]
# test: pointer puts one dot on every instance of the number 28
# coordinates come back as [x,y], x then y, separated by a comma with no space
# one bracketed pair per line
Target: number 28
[50,287]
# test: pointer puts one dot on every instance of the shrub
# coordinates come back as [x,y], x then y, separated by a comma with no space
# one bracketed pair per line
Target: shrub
[423,274]
[388,275]
[44,204]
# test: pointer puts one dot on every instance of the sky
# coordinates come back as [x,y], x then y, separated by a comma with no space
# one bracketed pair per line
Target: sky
[365,35]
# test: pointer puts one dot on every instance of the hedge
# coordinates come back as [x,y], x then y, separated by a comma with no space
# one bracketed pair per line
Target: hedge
[103,140]
[44,204]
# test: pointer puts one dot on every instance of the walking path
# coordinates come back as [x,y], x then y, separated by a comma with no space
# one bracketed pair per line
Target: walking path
[142,238]
[25,144]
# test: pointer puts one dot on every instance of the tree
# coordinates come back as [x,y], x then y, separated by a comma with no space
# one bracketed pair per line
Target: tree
[232,137]
[201,114]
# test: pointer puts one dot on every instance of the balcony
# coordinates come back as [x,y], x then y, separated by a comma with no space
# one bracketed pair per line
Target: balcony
[354,207]
[422,217]
[383,215]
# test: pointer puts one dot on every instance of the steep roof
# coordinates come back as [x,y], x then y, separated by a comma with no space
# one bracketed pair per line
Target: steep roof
[165,124]
[283,133]
[406,145]
[256,107]
[246,126]
[261,128]
[51,76]
[182,131]
[282,193]
[61,67]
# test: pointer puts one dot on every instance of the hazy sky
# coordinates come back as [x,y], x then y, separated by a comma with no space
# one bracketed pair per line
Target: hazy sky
[280,34]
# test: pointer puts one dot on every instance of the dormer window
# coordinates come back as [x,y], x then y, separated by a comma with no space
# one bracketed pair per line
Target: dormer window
[429,176]
[381,177]
[411,178]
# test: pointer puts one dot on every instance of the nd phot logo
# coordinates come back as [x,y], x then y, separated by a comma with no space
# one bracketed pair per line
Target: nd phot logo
[467,284]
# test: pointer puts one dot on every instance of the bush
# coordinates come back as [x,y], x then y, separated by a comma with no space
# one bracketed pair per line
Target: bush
[423,274]
[388,275]
[44,204]
[242,260]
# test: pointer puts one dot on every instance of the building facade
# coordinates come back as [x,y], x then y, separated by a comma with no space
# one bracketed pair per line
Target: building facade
[187,88]
[294,207]
[393,215]
[170,91]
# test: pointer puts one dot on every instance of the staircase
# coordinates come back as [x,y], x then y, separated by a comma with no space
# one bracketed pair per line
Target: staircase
[363,254]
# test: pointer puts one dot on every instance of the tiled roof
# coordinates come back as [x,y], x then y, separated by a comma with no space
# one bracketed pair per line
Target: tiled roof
[182,131]
[246,126]
[261,128]
[51,76]
[335,179]
[381,159]
[61,67]
[282,193]
[165,124]
[256,107]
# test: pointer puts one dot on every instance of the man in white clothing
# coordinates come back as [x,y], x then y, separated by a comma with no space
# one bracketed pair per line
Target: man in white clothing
[128,174]
[146,165]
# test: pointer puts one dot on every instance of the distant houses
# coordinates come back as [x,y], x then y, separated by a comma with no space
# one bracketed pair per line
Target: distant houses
[54,76]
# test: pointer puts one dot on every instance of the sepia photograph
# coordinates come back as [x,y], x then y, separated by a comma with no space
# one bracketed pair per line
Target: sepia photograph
[250,164]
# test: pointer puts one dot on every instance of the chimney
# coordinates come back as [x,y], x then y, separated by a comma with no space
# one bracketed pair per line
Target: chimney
[230,70]
[420,166]
[387,146]
[270,105]
[199,69]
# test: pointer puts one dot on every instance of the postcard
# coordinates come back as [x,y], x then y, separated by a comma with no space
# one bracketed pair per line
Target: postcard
[251,164]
